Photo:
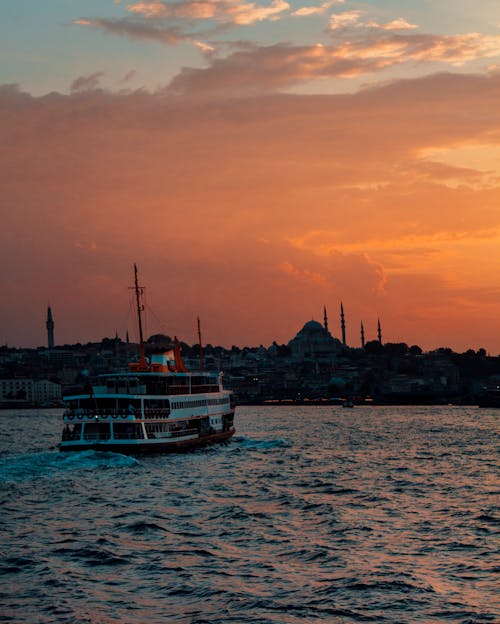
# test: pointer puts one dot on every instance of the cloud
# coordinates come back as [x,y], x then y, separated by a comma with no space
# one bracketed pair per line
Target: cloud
[281,66]
[252,69]
[228,11]
[268,68]
[453,49]
[340,187]
[342,20]
[86,83]
[128,76]
[248,14]
[333,270]
[153,9]
[397,24]
[355,47]
[316,10]
[205,48]
[141,31]
[171,24]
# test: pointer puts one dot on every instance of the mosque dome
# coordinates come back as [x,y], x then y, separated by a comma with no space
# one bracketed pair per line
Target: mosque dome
[313,327]
[313,340]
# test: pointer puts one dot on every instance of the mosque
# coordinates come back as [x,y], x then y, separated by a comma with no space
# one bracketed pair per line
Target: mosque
[315,341]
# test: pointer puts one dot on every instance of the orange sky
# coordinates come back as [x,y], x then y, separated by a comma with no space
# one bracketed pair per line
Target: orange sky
[253,206]
[253,214]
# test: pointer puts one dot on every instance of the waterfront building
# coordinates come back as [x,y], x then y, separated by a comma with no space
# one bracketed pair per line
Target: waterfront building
[29,391]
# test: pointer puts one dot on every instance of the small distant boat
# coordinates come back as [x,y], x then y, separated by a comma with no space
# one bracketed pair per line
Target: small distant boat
[156,406]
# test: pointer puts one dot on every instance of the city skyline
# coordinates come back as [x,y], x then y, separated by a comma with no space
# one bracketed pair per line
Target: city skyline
[258,161]
[126,334]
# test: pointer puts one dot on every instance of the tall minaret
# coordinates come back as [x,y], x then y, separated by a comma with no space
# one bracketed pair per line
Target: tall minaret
[342,323]
[379,332]
[50,328]
[362,336]
[325,319]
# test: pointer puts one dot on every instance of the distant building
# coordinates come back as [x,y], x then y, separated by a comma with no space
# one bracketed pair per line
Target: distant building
[35,392]
[59,357]
[46,391]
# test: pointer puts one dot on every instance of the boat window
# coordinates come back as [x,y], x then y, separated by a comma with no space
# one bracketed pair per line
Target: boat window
[100,403]
[201,380]
[97,431]
[123,404]
[89,403]
[127,431]
[158,430]
[157,386]
[158,403]
[121,385]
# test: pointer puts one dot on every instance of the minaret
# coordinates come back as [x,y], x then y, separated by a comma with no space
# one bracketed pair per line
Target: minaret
[50,328]
[202,362]
[342,323]
[325,319]
[379,332]
[362,336]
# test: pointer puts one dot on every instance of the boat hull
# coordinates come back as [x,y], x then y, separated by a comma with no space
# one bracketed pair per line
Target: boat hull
[149,447]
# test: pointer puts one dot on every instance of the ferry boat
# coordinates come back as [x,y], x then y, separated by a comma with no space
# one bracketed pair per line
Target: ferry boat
[157,406]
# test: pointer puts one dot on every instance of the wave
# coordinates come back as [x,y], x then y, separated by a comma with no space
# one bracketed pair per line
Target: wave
[12,565]
[250,443]
[91,556]
[142,527]
[16,468]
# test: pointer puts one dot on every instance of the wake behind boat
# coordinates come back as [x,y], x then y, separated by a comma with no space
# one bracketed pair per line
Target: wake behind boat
[156,406]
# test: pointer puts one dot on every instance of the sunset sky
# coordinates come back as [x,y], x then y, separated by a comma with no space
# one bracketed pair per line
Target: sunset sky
[257,161]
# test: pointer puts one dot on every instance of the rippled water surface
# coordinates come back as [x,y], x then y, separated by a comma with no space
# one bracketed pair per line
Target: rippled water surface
[308,515]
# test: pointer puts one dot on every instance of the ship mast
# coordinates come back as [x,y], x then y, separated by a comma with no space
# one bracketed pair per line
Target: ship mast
[140,308]
[202,364]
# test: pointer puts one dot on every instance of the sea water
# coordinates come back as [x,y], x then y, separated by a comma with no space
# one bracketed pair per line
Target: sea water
[317,514]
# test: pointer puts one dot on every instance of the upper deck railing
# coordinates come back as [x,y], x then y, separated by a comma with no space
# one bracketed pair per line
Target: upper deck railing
[115,414]
[153,388]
